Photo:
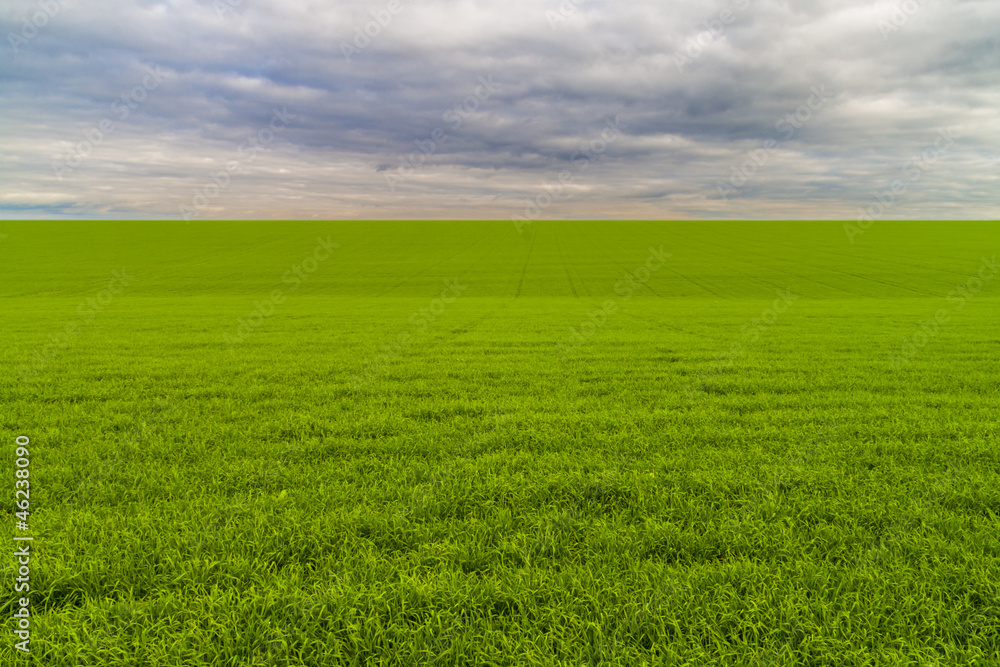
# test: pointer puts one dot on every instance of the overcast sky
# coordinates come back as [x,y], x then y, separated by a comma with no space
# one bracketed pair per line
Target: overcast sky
[591,109]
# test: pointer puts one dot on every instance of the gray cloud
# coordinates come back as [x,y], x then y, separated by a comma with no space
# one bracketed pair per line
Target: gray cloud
[699,88]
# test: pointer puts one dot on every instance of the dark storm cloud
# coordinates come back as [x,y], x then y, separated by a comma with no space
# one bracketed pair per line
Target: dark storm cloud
[834,99]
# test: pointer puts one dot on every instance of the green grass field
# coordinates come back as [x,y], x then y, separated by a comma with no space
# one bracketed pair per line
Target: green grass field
[448,443]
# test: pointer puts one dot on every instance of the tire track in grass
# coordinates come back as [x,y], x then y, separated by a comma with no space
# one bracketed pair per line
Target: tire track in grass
[524,269]
[833,286]
[173,272]
[760,279]
[437,263]
[729,255]
[615,262]
[770,245]
[842,272]
[449,333]
[801,278]
[689,279]
[660,325]
[674,271]
[602,251]
[562,258]
[855,257]
[911,251]
[436,340]
[808,279]
[805,279]
[883,282]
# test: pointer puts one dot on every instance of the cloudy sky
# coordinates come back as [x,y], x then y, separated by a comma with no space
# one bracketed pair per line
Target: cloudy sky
[339,109]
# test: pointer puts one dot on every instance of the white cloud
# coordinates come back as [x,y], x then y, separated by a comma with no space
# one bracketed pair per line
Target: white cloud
[355,120]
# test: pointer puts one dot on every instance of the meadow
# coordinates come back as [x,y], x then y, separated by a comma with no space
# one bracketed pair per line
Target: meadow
[460,443]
